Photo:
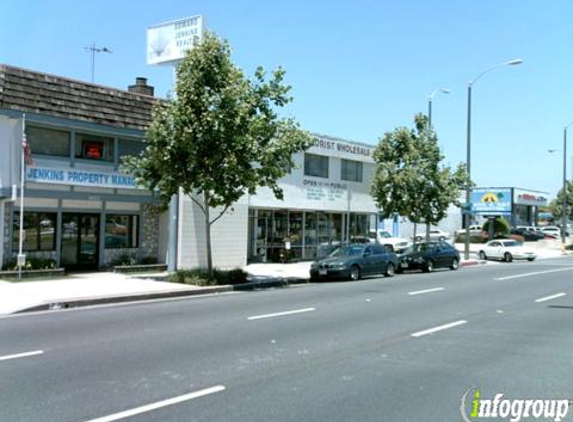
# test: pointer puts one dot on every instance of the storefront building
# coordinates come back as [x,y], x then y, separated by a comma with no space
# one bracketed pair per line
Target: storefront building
[519,206]
[80,211]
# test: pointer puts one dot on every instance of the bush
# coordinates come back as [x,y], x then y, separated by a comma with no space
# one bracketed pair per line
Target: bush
[480,238]
[569,247]
[32,263]
[201,277]
[501,227]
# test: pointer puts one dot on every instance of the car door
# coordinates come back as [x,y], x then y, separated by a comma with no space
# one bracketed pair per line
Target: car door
[495,250]
[368,261]
[446,253]
[380,259]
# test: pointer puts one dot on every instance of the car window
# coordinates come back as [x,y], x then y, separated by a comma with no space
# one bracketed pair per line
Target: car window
[347,251]
[385,234]
[494,244]
[445,245]
[378,250]
[367,251]
[511,243]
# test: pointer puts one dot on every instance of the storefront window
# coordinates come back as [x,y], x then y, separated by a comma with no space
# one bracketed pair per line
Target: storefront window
[39,232]
[315,165]
[43,141]
[94,147]
[121,231]
[351,171]
[130,147]
[295,228]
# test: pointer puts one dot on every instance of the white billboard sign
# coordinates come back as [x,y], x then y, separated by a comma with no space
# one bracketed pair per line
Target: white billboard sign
[167,42]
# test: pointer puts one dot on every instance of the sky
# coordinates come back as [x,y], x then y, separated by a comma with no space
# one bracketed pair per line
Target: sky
[357,68]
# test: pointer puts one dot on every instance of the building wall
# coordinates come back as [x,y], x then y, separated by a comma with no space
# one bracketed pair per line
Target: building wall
[228,236]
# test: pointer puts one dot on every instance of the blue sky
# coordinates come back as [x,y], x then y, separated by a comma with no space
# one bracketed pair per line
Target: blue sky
[358,68]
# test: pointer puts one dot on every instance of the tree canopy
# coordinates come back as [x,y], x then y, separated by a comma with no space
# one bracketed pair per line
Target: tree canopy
[410,179]
[556,206]
[220,137]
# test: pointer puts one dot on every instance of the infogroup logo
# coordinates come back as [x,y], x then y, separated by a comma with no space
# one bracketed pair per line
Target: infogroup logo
[474,407]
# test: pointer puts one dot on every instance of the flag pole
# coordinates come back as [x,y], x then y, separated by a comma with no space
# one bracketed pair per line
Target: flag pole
[21,258]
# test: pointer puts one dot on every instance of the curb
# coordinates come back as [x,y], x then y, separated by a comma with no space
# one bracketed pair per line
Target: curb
[78,303]
[472,263]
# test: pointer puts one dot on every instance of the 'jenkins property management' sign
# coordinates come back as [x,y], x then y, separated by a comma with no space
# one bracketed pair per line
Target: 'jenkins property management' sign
[79,178]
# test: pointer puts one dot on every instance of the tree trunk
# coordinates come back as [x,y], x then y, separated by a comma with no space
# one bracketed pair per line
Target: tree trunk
[427,232]
[415,228]
[208,232]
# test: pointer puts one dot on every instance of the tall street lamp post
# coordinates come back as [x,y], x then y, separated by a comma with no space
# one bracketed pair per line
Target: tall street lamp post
[430,98]
[468,148]
[564,199]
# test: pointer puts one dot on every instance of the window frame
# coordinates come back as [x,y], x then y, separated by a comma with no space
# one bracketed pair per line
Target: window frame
[134,224]
[323,158]
[51,215]
[344,171]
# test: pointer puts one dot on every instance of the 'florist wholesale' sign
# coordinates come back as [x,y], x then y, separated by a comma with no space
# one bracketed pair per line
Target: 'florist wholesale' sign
[79,178]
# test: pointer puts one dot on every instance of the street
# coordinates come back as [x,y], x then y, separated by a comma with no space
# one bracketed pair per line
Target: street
[402,349]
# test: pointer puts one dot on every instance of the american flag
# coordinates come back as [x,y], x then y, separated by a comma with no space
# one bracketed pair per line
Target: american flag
[27,151]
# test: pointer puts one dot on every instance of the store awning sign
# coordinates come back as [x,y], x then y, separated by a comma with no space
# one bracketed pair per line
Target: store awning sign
[77,177]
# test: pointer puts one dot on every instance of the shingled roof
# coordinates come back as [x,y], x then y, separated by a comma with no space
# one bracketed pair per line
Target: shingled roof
[34,92]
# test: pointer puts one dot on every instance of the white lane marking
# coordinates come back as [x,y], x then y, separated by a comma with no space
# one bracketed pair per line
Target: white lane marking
[22,355]
[439,328]
[532,274]
[421,292]
[545,299]
[298,311]
[159,404]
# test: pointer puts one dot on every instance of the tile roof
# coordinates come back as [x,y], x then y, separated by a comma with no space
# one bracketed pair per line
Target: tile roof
[34,92]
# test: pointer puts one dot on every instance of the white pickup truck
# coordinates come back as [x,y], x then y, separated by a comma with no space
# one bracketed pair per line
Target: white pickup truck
[384,237]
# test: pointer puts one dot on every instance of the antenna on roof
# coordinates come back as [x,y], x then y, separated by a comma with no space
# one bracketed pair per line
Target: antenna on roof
[93,49]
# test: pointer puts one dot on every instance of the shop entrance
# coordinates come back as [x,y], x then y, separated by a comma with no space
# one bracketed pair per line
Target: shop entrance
[80,241]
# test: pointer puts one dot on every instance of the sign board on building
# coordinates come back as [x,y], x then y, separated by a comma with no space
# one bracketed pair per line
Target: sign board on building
[526,197]
[67,176]
[491,201]
[342,149]
[167,42]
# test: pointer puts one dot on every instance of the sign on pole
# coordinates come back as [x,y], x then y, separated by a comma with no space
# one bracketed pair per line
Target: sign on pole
[167,42]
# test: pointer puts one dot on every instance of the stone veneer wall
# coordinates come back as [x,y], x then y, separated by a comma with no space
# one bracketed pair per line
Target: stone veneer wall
[149,239]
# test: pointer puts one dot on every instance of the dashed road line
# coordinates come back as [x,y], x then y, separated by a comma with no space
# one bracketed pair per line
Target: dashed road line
[555,296]
[421,292]
[22,355]
[438,328]
[532,274]
[297,311]
[159,404]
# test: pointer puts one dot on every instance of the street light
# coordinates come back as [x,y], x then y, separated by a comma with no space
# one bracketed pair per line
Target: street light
[468,147]
[93,49]
[430,98]
[564,199]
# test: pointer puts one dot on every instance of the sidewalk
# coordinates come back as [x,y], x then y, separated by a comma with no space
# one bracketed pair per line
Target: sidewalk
[99,288]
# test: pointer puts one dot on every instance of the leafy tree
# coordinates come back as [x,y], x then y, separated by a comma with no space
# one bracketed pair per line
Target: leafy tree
[501,227]
[556,206]
[220,137]
[410,179]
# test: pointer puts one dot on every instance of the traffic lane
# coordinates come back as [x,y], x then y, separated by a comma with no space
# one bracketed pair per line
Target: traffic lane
[146,362]
[521,353]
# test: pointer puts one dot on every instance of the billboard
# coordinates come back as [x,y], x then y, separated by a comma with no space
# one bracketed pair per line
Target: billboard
[528,197]
[491,201]
[167,42]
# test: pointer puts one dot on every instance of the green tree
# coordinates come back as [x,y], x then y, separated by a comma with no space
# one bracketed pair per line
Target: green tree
[501,227]
[556,206]
[410,179]
[220,137]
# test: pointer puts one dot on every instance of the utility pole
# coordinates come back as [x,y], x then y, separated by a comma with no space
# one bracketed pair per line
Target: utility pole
[93,49]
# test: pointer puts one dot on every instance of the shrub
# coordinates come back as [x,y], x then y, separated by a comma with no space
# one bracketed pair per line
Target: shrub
[479,238]
[201,277]
[569,247]
[501,227]
[32,263]
[148,260]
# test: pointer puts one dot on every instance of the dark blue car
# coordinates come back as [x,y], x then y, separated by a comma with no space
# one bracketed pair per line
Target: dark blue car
[355,261]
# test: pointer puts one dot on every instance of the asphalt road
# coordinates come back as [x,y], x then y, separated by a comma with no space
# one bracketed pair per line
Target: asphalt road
[400,349]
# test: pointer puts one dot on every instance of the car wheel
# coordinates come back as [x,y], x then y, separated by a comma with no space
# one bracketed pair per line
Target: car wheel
[482,255]
[428,266]
[455,264]
[390,270]
[530,259]
[354,273]
[507,257]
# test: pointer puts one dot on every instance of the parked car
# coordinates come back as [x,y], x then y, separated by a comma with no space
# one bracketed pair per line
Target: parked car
[527,234]
[475,230]
[506,250]
[426,256]
[384,237]
[435,235]
[552,231]
[354,261]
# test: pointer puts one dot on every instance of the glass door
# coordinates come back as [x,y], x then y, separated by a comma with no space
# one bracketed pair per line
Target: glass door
[80,241]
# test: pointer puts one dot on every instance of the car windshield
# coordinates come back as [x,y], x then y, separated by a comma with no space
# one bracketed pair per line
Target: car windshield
[385,234]
[512,244]
[347,251]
